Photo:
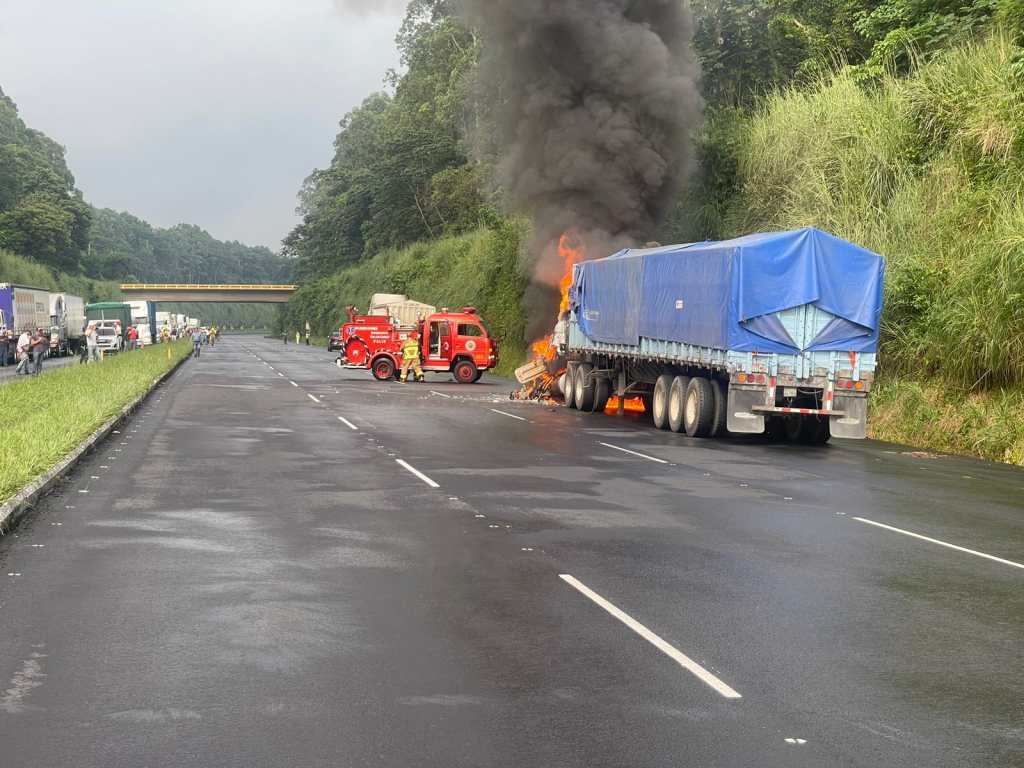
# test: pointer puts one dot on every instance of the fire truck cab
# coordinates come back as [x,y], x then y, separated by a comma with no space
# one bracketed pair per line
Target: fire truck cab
[450,342]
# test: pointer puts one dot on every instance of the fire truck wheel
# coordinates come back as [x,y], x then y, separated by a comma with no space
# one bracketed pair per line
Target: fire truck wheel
[465,372]
[721,417]
[383,369]
[602,391]
[659,401]
[585,387]
[479,375]
[356,352]
[677,403]
[700,407]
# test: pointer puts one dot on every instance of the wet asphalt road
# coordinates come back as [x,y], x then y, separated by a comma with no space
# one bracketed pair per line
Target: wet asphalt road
[239,578]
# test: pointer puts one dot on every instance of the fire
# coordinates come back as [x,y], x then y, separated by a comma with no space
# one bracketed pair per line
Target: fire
[633,405]
[570,249]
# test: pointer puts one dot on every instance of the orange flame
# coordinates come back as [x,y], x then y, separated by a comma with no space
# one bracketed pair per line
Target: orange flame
[633,405]
[570,249]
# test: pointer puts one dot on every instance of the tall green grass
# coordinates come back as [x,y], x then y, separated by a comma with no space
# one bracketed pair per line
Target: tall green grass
[45,418]
[16,269]
[480,269]
[927,170]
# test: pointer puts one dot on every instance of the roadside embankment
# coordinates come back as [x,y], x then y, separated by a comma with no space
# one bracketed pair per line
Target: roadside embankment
[48,418]
[939,416]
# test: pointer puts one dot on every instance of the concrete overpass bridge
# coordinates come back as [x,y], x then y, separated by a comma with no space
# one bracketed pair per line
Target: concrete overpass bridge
[232,294]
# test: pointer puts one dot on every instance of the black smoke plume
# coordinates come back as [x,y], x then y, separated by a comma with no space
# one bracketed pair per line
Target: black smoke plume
[593,103]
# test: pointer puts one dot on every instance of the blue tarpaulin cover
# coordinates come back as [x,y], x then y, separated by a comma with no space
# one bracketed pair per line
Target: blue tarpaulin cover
[725,294]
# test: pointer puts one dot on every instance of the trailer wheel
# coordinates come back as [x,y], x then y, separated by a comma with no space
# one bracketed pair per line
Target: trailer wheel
[721,417]
[585,387]
[383,369]
[602,391]
[570,386]
[677,403]
[465,372]
[659,401]
[699,413]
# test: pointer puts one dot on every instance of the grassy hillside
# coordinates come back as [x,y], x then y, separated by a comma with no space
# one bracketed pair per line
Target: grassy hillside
[480,269]
[15,269]
[927,170]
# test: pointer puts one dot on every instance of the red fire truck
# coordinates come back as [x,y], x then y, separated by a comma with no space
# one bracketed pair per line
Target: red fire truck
[455,342]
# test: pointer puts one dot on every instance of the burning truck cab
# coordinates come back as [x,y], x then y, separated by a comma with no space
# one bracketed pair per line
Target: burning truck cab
[772,333]
[456,342]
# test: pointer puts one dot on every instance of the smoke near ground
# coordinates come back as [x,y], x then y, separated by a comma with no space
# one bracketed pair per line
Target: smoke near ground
[594,103]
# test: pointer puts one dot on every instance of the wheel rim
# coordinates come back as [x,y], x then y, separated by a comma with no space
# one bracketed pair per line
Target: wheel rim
[383,370]
[659,403]
[691,408]
[675,406]
[464,373]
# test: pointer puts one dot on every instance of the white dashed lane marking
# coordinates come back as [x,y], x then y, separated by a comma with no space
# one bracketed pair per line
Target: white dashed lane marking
[634,453]
[940,543]
[669,650]
[410,468]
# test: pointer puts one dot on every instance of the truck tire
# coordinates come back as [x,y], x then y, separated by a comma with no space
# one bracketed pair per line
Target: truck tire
[465,372]
[585,387]
[659,401]
[479,375]
[721,417]
[699,413]
[677,403]
[602,391]
[383,369]
[570,386]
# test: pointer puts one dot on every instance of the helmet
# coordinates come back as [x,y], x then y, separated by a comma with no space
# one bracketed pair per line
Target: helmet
[414,335]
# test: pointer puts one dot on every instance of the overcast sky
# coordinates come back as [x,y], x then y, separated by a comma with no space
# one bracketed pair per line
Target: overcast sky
[210,112]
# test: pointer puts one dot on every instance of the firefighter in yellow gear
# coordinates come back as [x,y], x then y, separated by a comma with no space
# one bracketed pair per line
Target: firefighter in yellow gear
[411,357]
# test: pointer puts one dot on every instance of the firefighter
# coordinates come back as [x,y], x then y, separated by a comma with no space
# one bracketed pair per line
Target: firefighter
[411,357]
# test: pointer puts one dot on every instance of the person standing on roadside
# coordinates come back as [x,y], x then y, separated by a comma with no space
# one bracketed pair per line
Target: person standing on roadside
[5,346]
[23,353]
[411,357]
[197,342]
[39,346]
[90,344]
[133,338]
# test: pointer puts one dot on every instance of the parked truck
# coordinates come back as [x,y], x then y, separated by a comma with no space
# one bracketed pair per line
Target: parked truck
[67,324]
[112,319]
[21,309]
[770,332]
[144,320]
[450,342]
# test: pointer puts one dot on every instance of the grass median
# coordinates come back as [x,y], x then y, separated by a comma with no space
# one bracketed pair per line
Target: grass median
[47,417]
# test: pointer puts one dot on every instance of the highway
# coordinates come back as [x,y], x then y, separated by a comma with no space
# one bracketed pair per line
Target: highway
[281,563]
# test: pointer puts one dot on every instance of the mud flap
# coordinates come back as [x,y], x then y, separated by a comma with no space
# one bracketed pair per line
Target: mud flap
[854,425]
[742,419]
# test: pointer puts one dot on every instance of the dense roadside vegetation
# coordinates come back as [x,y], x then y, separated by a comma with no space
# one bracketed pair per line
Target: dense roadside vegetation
[894,123]
[50,416]
[75,247]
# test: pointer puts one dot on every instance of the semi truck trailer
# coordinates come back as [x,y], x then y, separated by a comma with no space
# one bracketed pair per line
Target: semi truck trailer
[772,332]
[21,309]
[67,324]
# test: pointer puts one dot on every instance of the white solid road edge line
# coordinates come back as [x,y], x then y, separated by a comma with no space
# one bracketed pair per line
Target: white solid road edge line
[634,453]
[312,397]
[348,423]
[441,394]
[669,650]
[940,543]
[510,415]
[420,475]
